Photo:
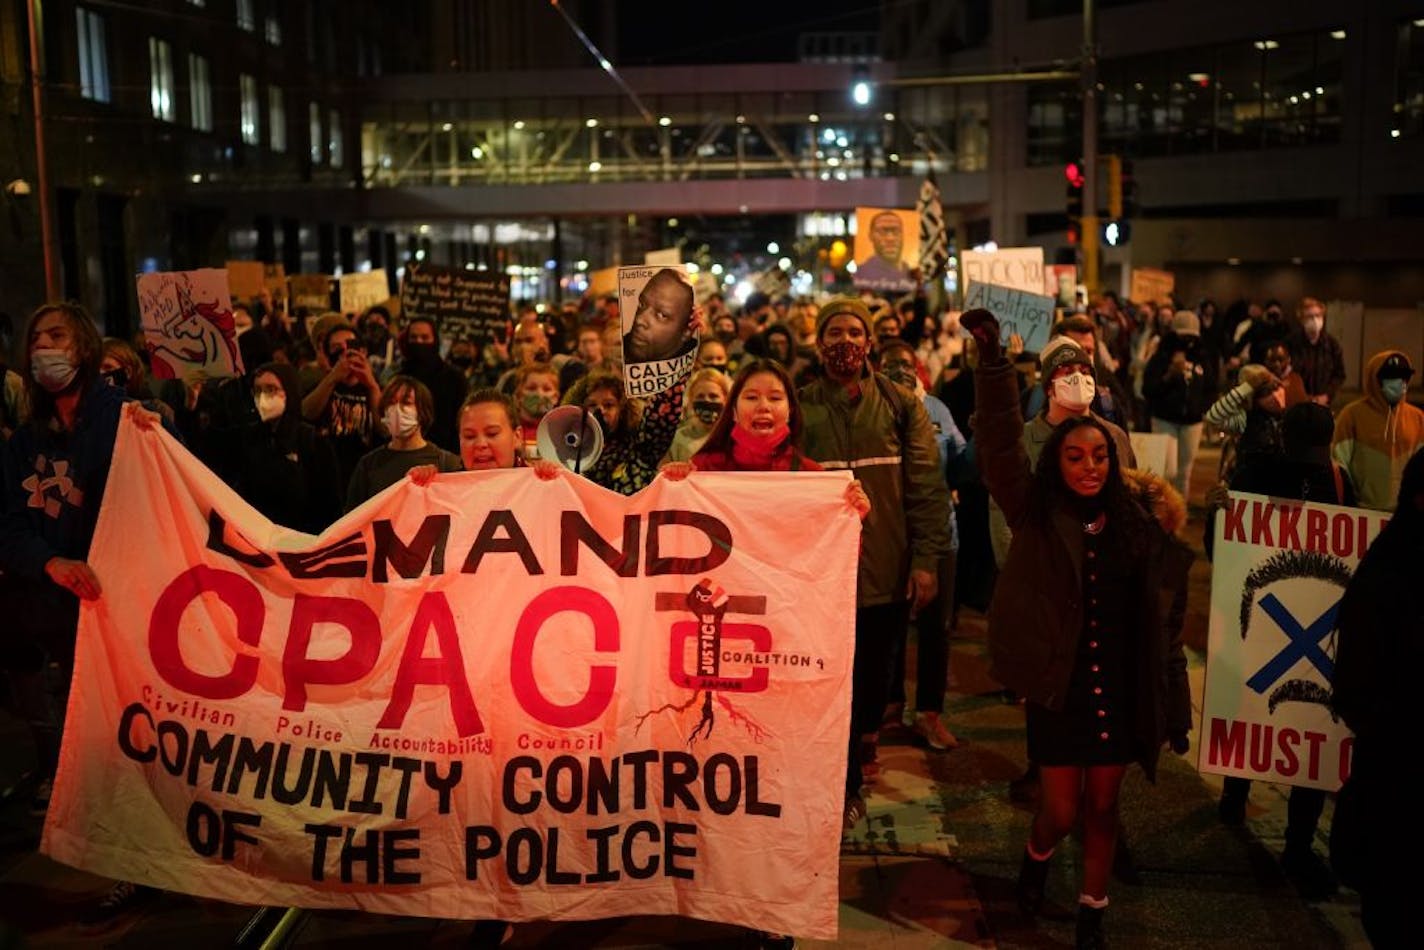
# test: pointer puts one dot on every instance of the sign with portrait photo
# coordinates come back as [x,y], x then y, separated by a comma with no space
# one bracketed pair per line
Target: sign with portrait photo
[655,304]
[188,325]
[1279,570]
[887,245]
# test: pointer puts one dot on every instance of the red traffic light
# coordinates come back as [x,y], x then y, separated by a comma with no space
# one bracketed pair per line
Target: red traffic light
[1073,171]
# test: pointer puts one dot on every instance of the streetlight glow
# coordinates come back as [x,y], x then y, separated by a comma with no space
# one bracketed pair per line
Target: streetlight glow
[860,92]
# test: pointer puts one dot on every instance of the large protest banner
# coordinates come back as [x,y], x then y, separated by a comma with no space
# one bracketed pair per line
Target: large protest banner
[465,305]
[361,291]
[187,323]
[1030,315]
[492,697]
[655,305]
[1278,571]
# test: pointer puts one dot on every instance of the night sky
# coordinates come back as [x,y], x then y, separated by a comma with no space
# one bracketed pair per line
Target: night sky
[731,31]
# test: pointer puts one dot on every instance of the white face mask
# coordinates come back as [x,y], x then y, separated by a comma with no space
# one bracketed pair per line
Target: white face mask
[401,421]
[1313,327]
[270,406]
[53,369]
[1075,391]
[1394,389]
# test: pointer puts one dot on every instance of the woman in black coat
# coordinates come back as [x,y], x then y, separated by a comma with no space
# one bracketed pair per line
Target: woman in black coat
[1077,626]
[277,462]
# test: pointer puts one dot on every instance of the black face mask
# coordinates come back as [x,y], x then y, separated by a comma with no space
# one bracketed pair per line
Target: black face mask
[462,362]
[726,336]
[376,337]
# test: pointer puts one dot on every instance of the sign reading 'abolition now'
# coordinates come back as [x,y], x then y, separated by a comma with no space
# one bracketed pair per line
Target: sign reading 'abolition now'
[491,697]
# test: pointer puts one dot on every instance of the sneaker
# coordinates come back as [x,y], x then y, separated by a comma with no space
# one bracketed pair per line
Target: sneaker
[930,728]
[771,941]
[122,899]
[1312,878]
[854,813]
[39,804]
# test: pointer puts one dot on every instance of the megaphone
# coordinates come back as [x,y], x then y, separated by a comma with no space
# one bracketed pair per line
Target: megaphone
[570,436]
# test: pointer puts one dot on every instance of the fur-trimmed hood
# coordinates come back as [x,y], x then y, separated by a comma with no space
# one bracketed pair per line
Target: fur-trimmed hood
[1156,494]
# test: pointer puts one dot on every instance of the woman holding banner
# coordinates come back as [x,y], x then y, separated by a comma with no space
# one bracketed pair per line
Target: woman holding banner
[1105,684]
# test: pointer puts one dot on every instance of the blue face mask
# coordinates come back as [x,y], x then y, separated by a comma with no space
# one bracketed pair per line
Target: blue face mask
[1393,389]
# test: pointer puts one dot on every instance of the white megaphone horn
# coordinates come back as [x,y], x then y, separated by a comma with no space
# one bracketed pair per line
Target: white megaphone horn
[570,436]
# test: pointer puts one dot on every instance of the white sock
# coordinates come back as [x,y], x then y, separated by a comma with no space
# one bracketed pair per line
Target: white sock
[1097,903]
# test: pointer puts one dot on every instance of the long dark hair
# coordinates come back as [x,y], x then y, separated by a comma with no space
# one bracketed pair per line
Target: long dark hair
[1049,492]
[720,439]
[593,382]
[88,354]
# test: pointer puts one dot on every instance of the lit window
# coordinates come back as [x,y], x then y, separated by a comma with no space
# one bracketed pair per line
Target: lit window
[276,119]
[200,89]
[273,27]
[250,132]
[246,18]
[160,78]
[314,127]
[93,55]
[334,149]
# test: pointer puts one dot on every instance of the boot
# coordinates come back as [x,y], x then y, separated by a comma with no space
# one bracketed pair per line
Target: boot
[1090,928]
[1033,878]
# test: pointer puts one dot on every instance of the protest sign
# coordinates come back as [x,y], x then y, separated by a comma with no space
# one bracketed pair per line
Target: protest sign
[655,304]
[187,324]
[465,304]
[362,291]
[664,257]
[494,697]
[1019,268]
[1060,281]
[1279,568]
[1030,315]
[887,248]
[245,279]
[1150,285]
[312,292]
[603,283]
[1156,452]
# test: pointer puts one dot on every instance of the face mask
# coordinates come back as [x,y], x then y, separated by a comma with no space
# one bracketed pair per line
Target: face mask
[1074,391]
[462,362]
[706,411]
[117,377]
[401,421]
[535,404]
[270,406]
[760,443]
[1313,328]
[726,336]
[844,358]
[1393,389]
[376,337]
[53,369]
[721,368]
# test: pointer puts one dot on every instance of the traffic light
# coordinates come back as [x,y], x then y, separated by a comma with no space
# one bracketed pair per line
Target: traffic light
[1122,201]
[1114,187]
[1075,175]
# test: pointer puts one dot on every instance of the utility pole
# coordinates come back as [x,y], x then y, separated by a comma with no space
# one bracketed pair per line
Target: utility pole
[52,290]
[1088,75]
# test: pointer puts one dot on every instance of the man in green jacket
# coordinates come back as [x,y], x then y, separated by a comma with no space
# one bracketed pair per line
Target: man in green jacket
[858,421]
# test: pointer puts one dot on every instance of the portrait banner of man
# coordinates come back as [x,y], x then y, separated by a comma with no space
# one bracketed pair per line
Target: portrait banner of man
[1279,570]
[887,245]
[187,324]
[655,305]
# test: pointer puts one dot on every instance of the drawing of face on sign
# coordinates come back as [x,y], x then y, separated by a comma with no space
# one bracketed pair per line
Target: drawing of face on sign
[1289,605]
[197,334]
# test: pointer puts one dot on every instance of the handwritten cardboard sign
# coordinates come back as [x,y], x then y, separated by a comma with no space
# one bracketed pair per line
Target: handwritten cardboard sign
[465,305]
[1029,315]
[360,292]
[187,323]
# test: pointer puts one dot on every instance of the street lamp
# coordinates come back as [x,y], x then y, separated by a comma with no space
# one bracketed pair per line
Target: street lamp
[860,90]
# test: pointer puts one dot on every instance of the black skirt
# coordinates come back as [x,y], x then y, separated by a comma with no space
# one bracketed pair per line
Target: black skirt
[1094,726]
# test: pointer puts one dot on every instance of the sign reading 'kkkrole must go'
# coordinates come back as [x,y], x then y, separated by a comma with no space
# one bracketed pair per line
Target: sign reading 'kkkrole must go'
[491,697]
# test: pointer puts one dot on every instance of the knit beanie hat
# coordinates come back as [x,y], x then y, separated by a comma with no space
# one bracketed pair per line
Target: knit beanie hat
[1061,351]
[1186,323]
[837,305]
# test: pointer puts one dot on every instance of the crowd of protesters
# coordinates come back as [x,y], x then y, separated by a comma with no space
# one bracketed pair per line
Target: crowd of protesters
[972,460]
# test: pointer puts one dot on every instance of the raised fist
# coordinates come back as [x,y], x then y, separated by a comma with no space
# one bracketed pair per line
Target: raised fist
[984,327]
